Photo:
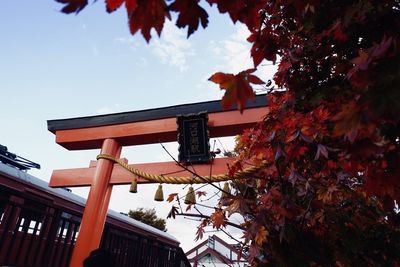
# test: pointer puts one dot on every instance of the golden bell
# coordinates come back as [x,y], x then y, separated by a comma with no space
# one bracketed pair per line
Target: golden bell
[226,190]
[133,188]
[159,196]
[190,197]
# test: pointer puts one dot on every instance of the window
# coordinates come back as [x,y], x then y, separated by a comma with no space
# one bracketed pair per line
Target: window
[2,209]
[31,217]
[30,225]
[211,243]
[68,222]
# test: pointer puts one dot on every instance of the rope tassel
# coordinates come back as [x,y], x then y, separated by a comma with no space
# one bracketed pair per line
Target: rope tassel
[159,196]
[184,180]
[190,197]
[227,190]
[133,188]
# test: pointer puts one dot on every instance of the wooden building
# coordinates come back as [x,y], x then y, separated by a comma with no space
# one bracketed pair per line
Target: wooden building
[215,252]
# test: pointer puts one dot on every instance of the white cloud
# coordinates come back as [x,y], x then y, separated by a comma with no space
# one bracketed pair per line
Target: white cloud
[235,51]
[235,54]
[107,109]
[126,40]
[104,110]
[141,62]
[95,51]
[173,48]
[215,48]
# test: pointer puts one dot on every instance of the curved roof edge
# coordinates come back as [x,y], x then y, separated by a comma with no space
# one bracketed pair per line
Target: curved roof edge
[145,115]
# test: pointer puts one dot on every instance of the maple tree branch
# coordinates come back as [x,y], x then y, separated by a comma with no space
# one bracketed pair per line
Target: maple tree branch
[198,210]
[205,206]
[192,219]
[303,218]
[179,203]
[215,194]
[200,187]
[208,217]
[280,175]
[231,237]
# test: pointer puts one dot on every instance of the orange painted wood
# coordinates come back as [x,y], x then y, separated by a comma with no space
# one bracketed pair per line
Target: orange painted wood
[161,130]
[95,213]
[84,176]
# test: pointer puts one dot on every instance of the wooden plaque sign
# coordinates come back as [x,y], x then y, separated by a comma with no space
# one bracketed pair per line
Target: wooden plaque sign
[193,138]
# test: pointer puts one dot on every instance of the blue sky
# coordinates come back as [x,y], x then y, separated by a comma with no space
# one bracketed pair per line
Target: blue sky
[55,66]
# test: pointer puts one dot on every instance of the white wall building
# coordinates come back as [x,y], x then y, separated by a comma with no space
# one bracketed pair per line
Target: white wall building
[215,252]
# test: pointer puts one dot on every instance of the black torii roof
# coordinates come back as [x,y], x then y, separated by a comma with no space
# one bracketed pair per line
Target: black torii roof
[145,115]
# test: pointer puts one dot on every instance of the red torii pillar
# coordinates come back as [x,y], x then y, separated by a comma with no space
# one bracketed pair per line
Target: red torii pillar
[112,132]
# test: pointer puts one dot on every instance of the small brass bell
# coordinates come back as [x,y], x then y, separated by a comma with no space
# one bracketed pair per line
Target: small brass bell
[226,190]
[190,197]
[159,196]
[133,188]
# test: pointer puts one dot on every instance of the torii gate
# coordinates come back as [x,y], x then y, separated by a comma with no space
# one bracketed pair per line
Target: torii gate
[112,132]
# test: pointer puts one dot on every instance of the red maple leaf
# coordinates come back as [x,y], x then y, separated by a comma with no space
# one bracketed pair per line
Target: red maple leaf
[337,32]
[233,7]
[362,61]
[298,151]
[245,11]
[218,219]
[199,233]
[72,6]
[144,15]
[130,5]
[171,197]
[238,88]
[113,5]
[321,150]
[348,121]
[172,213]
[379,50]
[265,46]
[190,14]
[201,193]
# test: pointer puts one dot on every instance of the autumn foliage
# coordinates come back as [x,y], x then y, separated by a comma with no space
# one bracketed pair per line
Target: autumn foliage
[331,138]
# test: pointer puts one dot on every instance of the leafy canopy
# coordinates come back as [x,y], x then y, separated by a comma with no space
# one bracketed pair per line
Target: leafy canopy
[331,138]
[149,217]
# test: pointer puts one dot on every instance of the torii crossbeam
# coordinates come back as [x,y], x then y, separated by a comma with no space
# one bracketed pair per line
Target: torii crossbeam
[111,132]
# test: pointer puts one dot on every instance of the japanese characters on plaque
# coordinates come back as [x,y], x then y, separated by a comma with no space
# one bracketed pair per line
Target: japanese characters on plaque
[193,138]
